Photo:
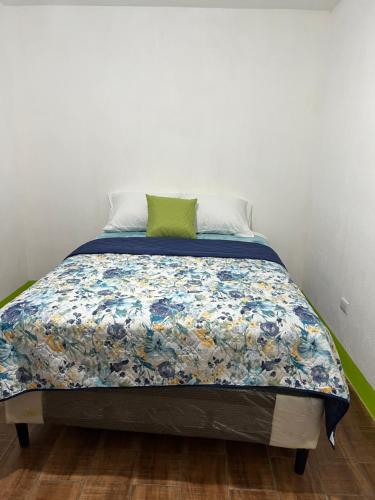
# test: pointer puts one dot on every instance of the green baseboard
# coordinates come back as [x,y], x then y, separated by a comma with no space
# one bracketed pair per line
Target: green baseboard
[356,378]
[16,292]
[363,388]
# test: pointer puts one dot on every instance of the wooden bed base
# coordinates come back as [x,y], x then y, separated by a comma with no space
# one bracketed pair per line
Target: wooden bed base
[299,464]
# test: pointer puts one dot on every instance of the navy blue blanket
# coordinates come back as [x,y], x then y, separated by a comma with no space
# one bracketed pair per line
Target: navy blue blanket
[175,246]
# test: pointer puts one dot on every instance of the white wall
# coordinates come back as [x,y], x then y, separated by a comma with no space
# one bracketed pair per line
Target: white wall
[12,249]
[341,253]
[137,98]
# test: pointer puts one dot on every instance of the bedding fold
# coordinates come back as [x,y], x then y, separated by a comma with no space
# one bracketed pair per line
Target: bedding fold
[179,247]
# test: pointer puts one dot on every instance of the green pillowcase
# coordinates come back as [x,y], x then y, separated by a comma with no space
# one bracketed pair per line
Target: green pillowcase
[171,217]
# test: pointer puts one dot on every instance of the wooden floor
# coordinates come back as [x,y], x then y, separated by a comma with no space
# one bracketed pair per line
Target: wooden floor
[71,463]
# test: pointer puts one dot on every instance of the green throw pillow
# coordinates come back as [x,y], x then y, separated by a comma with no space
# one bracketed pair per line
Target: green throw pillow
[171,217]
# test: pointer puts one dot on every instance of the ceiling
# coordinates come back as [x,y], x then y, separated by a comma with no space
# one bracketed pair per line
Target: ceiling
[241,4]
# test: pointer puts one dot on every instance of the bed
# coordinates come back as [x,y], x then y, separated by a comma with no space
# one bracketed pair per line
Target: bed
[207,337]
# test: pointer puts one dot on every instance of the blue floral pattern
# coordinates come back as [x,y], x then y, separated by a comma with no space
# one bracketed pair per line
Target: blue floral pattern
[135,320]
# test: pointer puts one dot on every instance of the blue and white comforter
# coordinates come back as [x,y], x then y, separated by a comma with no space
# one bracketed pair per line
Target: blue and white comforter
[122,320]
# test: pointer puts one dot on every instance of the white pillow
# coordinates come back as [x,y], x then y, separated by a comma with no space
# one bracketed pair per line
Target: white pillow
[128,211]
[222,214]
[215,213]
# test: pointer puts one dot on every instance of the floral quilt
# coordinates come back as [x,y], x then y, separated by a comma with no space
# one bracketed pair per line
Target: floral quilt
[120,320]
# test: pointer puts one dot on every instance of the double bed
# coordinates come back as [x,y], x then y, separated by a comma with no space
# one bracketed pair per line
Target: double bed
[207,337]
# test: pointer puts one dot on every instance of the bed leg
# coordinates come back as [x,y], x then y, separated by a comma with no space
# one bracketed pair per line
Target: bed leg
[301,459]
[23,435]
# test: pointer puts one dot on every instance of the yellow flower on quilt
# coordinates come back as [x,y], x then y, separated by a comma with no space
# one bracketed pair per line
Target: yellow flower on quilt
[294,353]
[204,338]
[158,326]
[9,336]
[55,344]
[57,318]
[313,329]
[141,352]
[327,390]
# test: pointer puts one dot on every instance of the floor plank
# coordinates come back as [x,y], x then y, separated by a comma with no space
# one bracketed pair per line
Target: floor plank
[344,479]
[288,482]
[205,477]
[351,497]
[71,457]
[253,495]
[47,490]
[106,491]
[154,468]
[249,466]
[303,496]
[145,492]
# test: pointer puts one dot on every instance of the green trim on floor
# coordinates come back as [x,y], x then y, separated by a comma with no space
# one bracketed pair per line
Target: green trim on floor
[363,388]
[16,293]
